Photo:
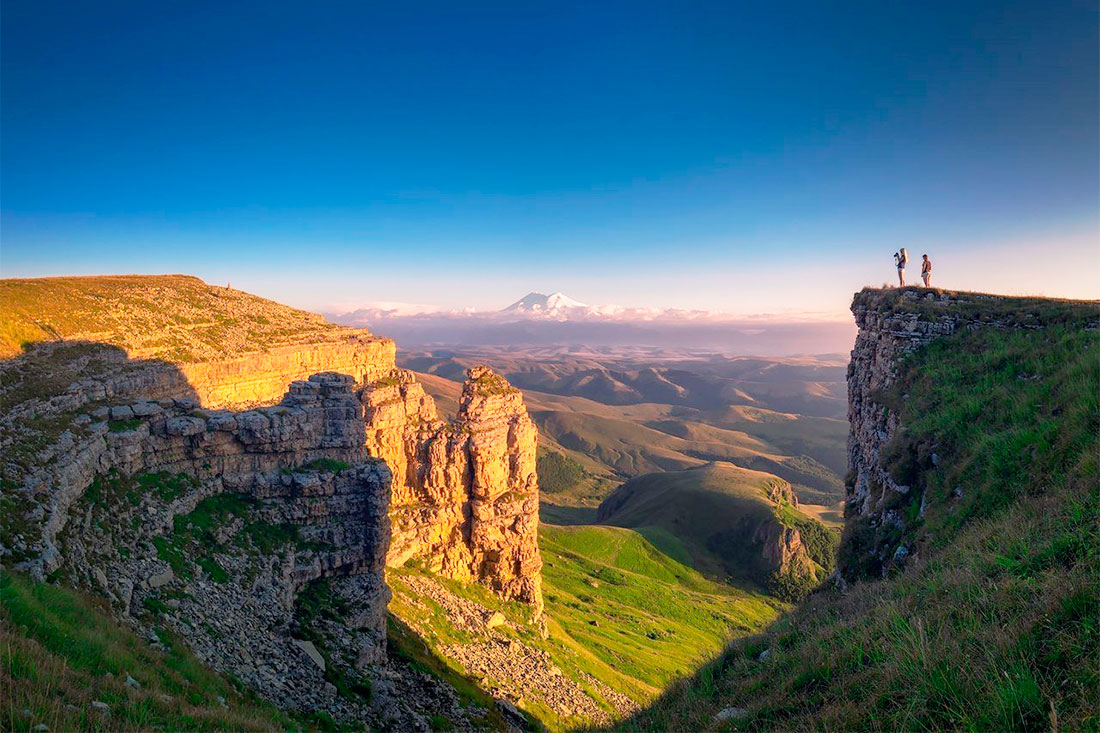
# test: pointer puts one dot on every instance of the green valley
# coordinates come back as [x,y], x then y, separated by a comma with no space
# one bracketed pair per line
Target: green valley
[623,621]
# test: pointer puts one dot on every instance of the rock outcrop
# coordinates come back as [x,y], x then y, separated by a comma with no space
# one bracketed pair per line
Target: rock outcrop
[216,498]
[262,378]
[892,324]
[213,523]
[465,494]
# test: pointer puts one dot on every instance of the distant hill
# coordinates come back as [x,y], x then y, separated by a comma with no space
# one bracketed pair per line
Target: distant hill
[174,317]
[735,522]
[616,442]
[812,386]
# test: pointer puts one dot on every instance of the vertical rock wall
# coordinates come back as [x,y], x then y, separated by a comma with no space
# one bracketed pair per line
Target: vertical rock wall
[465,494]
[892,324]
[216,522]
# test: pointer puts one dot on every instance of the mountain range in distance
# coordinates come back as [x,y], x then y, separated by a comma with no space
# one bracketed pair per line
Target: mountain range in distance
[540,319]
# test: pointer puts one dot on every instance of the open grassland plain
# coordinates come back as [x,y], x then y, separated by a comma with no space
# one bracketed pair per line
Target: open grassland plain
[996,625]
[65,663]
[623,620]
[174,317]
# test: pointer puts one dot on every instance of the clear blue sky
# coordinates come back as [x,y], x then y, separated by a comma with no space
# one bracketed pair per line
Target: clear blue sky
[743,156]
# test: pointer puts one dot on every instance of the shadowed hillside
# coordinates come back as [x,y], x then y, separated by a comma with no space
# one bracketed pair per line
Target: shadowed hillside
[991,620]
[734,522]
[67,665]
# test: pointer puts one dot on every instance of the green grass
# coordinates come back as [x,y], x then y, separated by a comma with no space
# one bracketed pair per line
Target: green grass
[558,472]
[713,512]
[61,650]
[194,537]
[1030,312]
[996,624]
[657,618]
[173,317]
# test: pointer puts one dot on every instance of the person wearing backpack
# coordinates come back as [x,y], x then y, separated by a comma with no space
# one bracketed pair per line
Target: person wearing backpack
[901,259]
[926,271]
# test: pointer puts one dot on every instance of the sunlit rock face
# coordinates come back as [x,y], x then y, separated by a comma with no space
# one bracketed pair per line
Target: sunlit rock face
[465,494]
[221,519]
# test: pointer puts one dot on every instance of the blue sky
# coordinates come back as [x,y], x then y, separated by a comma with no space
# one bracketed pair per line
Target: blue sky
[700,155]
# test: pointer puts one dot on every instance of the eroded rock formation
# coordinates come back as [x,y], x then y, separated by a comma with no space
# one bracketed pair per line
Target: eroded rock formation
[217,522]
[465,494]
[137,481]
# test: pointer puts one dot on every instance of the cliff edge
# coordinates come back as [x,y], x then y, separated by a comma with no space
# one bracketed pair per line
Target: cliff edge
[885,500]
[213,463]
[969,594]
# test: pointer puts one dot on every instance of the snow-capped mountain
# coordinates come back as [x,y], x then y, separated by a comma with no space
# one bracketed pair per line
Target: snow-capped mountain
[556,318]
[539,303]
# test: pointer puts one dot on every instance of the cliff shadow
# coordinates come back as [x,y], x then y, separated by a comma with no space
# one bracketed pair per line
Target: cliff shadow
[140,405]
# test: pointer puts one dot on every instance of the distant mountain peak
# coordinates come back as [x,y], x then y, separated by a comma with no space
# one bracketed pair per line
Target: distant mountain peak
[538,302]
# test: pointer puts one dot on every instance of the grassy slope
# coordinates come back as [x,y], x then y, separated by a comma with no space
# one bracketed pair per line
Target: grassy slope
[656,619]
[175,317]
[997,627]
[712,511]
[60,651]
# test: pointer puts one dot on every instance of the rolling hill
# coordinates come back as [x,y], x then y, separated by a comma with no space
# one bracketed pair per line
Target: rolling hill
[614,442]
[805,385]
[735,523]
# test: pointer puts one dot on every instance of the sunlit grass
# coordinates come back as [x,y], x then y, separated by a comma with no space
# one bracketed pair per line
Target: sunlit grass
[997,625]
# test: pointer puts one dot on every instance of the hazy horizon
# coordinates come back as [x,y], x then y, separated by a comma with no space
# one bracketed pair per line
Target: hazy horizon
[702,156]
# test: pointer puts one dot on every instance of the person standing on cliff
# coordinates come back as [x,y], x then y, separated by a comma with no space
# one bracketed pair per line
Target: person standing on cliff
[901,259]
[926,271]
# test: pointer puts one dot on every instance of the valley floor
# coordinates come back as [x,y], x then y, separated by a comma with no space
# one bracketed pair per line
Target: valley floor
[623,620]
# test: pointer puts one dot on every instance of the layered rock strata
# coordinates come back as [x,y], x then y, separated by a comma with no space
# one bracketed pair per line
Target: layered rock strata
[262,378]
[137,482]
[215,522]
[892,324]
[465,494]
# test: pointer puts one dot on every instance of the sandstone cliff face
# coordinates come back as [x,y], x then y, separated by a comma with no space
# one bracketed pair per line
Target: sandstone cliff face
[262,378]
[136,482]
[465,495]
